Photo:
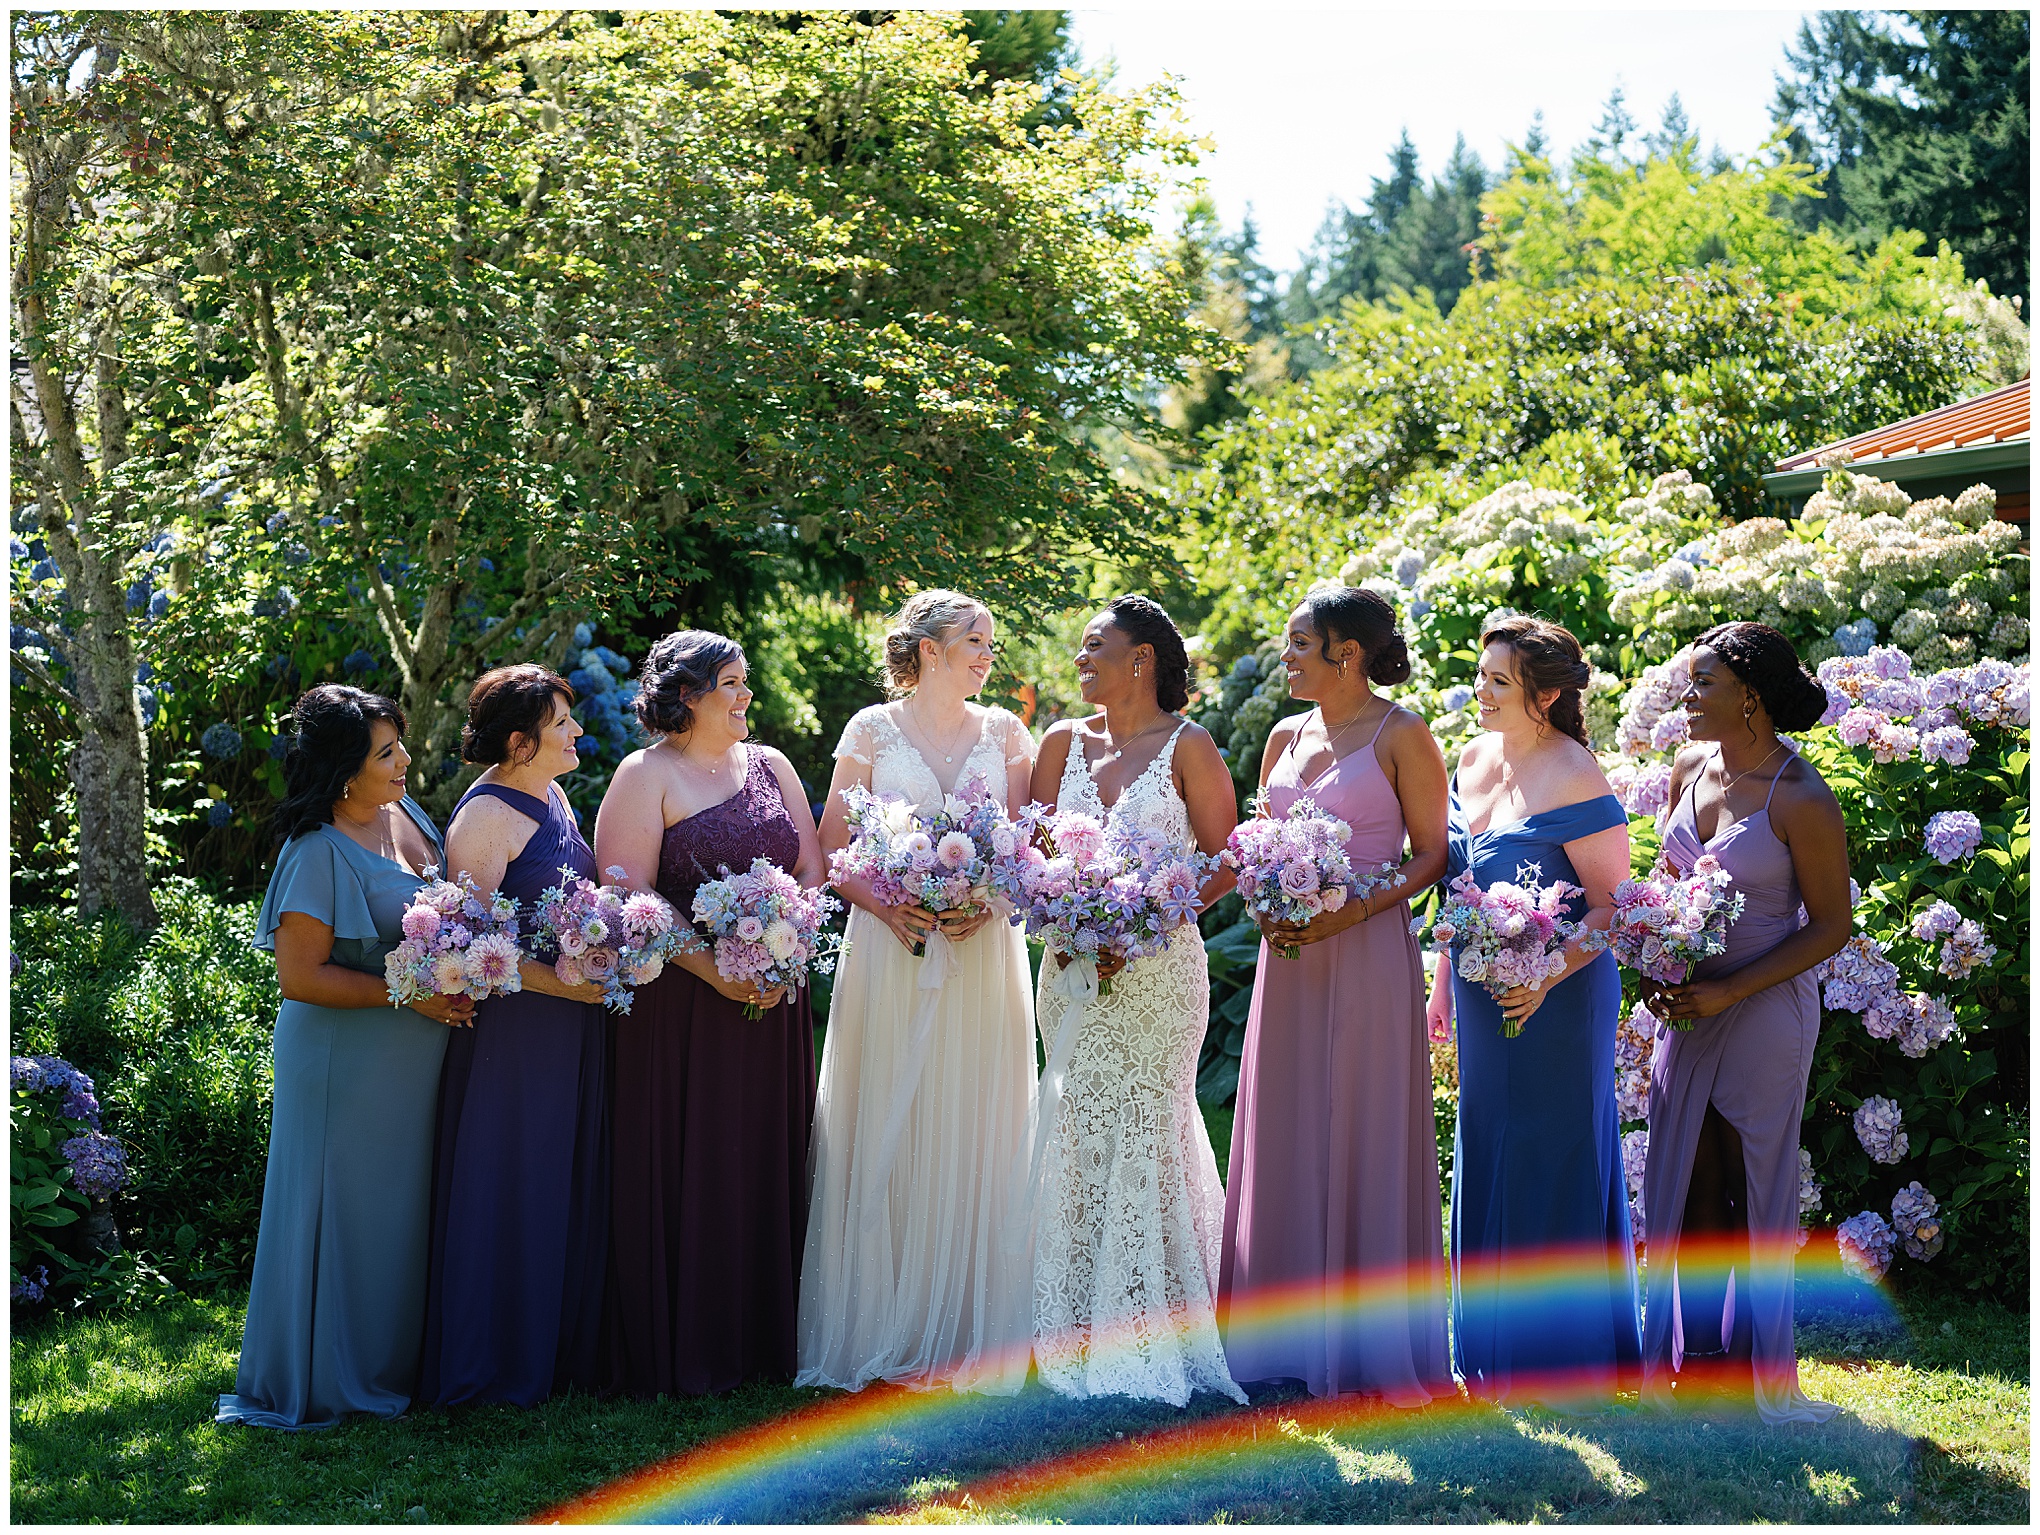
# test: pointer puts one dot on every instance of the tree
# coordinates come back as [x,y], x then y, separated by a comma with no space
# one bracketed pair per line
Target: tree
[468,327]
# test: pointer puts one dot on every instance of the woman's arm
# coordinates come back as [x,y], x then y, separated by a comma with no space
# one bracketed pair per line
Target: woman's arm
[909,923]
[485,837]
[810,868]
[305,972]
[1438,1011]
[1207,790]
[1600,862]
[1056,747]
[631,823]
[1809,823]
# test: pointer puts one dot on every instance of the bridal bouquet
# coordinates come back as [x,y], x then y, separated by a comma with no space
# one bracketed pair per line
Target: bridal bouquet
[1508,935]
[1295,868]
[1664,926]
[616,937]
[1104,890]
[456,944]
[767,928]
[942,862]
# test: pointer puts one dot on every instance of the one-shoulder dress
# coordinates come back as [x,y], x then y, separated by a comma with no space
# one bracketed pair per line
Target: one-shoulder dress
[1333,1269]
[520,1218]
[1751,1061]
[708,1207]
[1543,1267]
[337,1309]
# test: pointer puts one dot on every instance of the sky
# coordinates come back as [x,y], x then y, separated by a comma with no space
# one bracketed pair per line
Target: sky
[1304,105]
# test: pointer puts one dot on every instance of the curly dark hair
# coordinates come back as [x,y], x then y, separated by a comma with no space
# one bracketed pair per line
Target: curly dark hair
[332,728]
[1143,621]
[678,670]
[1765,662]
[1354,613]
[1547,656]
[511,700]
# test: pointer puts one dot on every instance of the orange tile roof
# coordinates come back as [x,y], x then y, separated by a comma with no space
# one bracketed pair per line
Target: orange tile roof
[2003,415]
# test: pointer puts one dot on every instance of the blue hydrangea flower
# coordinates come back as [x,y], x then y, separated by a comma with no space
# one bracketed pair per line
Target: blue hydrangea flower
[147,702]
[581,681]
[329,521]
[1419,606]
[159,604]
[278,665]
[357,662]
[52,1073]
[609,658]
[138,594]
[584,636]
[98,1164]
[221,814]
[275,522]
[162,543]
[1856,639]
[1458,696]
[1694,553]
[46,570]
[1409,565]
[221,740]
[1246,666]
[279,748]
[276,604]
[32,1287]
[488,565]
[16,549]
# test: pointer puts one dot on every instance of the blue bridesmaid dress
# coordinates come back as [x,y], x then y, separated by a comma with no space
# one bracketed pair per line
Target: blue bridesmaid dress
[1543,1265]
[520,1203]
[337,1310]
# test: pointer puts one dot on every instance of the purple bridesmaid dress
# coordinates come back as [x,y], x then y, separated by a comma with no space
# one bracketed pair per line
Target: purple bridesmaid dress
[1333,1269]
[1750,1062]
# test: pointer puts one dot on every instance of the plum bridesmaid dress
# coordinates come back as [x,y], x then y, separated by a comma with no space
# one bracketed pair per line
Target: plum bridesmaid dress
[1543,1266]
[1749,1064]
[1333,1268]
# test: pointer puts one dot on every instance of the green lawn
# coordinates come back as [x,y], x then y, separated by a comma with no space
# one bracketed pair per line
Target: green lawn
[111,1422]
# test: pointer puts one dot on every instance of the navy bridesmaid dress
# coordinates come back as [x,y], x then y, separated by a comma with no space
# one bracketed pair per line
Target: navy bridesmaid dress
[1543,1266]
[520,1209]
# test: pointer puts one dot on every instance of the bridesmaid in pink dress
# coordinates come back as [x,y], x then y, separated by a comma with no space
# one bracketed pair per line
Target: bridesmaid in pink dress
[1332,1270]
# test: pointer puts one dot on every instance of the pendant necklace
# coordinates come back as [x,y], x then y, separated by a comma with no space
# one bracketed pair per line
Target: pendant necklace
[1728,782]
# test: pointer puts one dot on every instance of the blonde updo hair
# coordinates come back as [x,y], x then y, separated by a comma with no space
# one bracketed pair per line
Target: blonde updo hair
[931,615]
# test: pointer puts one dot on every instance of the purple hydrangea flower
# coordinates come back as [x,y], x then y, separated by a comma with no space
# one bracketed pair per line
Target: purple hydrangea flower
[1890,663]
[98,1165]
[1936,921]
[1916,1221]
[32,1287]
[1864,1243]
[1880,1128]
[1924,1023]
[1951,744]
[1964,949]
[1635,1156]
[1953,836]
[52,1073]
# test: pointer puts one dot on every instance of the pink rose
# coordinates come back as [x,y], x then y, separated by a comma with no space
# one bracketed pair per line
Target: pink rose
[750,929]
[571,942]
[599,965]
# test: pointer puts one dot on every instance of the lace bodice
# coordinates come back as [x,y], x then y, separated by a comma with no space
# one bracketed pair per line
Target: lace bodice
[752,823]
[1149,802]
[874,738]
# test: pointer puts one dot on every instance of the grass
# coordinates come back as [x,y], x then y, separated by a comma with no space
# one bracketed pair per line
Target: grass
[111,1421]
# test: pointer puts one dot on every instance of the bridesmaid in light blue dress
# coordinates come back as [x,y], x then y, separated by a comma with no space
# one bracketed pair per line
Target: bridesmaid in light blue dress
[1543,1268]
[337,1312]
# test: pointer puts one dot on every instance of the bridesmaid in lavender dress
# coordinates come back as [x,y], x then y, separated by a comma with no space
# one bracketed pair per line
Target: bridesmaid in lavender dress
[520,1197]
[709,1159]
[1726,1093]
[1333,1268]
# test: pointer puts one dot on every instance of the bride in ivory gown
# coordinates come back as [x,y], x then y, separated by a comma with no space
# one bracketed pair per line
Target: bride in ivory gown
[912,1272]
[1127,1206]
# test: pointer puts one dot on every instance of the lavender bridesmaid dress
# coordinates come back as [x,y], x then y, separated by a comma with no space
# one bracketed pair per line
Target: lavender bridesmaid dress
[1751,1063]
[1333,1268]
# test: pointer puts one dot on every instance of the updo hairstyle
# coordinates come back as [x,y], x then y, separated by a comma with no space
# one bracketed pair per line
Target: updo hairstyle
[1353,613]
[509,701]
[935,614]
[1143,621]
[1765,662]
[678,670]
[1547,657]
[332,728]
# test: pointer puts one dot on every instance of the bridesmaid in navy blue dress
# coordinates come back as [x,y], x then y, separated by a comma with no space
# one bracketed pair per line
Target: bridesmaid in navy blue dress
[1543,1269]
[521,1177]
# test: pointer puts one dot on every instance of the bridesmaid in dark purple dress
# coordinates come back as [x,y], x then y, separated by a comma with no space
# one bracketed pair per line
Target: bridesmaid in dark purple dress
[1726,1092]
[708,1210]
[521,1176]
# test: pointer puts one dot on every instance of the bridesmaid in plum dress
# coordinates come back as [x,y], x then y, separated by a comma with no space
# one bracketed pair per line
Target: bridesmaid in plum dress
[520,1197]
[1333,1268]
[708,1212]
[1726,1092]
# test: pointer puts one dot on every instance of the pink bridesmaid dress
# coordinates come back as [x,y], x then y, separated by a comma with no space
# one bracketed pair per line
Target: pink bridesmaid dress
[1333,1267]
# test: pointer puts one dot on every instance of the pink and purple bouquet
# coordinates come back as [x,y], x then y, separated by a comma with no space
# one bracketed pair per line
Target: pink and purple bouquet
[942,862]
[767,928]
[1103,889]
[1664,926]
[1507,935]
[1296,868]
[614,936]
[457,943]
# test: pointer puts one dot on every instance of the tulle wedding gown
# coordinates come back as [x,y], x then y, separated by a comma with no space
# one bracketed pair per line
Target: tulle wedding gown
[1130,1210]
[916,1266]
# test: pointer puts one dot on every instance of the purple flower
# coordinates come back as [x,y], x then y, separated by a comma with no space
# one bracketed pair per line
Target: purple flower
[1965,949]
[1936,921]
[51,1073]
[1649,791]
[1864,1243]
[32,1287]
[1923,1024]
[1951,744]
[1953,836]
[1635,1156]
[98,1165]
[1880,1129]
[1916,1222]
[1890,663]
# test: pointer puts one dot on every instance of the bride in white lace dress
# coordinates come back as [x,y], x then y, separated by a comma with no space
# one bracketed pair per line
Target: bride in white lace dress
[911,1270]
[1129,1213]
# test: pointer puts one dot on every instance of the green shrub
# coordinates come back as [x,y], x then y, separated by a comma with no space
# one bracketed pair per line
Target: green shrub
[175,1029]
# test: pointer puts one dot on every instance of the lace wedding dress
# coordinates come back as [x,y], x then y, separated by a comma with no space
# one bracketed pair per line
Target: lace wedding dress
[912,1270]
[1130,1210]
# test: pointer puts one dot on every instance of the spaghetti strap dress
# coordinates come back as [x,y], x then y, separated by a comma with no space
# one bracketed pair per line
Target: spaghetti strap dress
[1333,1266]
[520,1218]
[708,1206]
[1751,1062]
[1543,1266]
[337,1310]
